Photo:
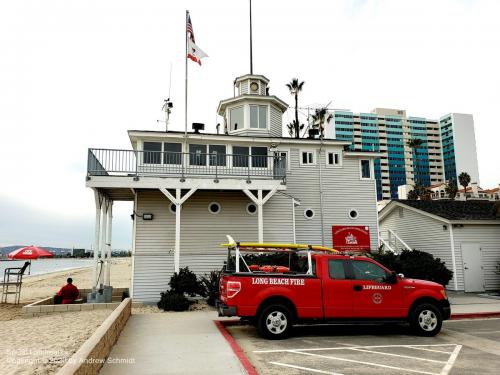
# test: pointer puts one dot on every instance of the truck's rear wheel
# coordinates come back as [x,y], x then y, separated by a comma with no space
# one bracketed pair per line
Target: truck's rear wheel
[426,320]
[275,322]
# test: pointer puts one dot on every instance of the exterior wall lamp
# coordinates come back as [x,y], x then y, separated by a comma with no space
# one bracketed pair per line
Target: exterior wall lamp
[145,216]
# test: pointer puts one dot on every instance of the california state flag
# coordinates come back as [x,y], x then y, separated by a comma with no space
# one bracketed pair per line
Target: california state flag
[195,53]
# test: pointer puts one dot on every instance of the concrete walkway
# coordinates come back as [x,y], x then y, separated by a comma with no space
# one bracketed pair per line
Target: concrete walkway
[172,343]
[190,343]
[472,303]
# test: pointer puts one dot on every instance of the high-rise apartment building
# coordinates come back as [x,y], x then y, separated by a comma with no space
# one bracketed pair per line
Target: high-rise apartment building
[459,146]
[447,146]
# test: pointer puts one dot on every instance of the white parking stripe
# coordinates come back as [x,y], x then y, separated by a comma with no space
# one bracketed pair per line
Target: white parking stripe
[429,350]
[365,363]
[305,368]
[397,355]
[351,347]
[451,360]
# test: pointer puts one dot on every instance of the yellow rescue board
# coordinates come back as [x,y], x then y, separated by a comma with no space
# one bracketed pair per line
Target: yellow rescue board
[256,245]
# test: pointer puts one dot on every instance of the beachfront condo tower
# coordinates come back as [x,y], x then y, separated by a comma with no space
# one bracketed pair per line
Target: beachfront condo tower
[447,146]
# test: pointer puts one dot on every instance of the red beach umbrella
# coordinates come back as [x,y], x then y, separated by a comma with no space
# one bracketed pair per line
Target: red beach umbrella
[30,252]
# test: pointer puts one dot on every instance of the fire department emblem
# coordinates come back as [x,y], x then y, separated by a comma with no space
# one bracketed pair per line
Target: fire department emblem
[377,298]
[350,239]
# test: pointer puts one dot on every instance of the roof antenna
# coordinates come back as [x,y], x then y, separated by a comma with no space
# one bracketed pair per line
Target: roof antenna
[167,104]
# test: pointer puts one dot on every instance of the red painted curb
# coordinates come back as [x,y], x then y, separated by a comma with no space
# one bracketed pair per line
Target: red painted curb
[495,314]
[245,362]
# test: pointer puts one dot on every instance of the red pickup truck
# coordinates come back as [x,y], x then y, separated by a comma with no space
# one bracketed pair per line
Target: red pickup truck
[336,288]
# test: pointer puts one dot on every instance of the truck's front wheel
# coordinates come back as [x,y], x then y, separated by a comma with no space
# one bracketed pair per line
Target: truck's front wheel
[426,320]
[275,322]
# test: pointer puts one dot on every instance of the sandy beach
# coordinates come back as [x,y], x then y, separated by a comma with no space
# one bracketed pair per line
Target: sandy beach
[39,345]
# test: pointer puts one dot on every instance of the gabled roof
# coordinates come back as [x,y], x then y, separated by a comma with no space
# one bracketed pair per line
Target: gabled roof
[490,191]
[469,189]
[436,185]
[450,210]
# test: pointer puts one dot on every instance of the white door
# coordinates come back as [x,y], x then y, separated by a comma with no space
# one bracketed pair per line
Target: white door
[473,267]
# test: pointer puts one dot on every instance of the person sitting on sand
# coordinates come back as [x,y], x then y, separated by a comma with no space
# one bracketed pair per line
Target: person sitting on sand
[68,293]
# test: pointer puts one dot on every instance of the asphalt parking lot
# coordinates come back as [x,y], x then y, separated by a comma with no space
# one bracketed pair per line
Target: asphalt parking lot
[462,347]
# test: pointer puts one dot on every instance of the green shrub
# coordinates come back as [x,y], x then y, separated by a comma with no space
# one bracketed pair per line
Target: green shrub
[181,284]
[417,265]
[186,282]
[173,301]
[211,284]
[388,259]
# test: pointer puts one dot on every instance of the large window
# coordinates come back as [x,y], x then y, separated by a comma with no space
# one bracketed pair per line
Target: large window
[365,169]
[240,156]
[217,155]
[197,154]
[172,153]
[259,157]
[236,116]
[364,270]
[258,117]
[152,152]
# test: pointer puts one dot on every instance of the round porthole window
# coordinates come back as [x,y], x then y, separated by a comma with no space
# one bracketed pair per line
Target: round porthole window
[353,214]
[172,208]
[309,213]
[214,208]
[251,208]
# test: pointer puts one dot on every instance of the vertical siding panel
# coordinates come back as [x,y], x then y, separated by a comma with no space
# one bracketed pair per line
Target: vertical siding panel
[424,233]
[488,237]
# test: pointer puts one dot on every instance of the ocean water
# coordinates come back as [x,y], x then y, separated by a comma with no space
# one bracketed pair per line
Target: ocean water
[41,266]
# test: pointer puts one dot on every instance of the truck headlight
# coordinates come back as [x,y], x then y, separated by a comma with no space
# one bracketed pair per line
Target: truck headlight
[443,292]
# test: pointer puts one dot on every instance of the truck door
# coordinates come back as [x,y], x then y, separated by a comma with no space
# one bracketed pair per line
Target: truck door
[373,297]
[337,290]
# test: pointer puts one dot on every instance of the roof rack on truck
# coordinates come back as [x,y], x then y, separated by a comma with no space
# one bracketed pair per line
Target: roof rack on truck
[271,247]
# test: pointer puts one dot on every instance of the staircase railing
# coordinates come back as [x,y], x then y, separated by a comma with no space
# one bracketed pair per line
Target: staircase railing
[392,242]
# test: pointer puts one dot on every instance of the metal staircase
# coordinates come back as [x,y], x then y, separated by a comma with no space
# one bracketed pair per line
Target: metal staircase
[392,242]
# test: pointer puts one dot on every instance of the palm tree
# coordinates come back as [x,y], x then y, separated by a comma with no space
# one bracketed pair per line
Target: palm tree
[451,189]
[320,117]
[412,195]
[414,144]
[295,87]
[291,128]
[464,179]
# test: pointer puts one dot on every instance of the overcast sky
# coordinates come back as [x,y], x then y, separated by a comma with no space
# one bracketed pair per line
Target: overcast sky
[79,74]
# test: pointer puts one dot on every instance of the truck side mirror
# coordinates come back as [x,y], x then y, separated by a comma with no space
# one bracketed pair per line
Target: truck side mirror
[391,278]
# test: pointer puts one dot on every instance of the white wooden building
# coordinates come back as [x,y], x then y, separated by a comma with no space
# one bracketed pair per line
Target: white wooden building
[464,234]
[252,183]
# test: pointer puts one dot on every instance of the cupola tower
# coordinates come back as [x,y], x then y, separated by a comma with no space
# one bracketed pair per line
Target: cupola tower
[252,112]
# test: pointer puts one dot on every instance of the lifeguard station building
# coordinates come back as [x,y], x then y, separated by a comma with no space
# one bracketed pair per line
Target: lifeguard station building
[190,190]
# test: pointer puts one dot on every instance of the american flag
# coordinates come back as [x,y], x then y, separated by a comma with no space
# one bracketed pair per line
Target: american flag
[189,29]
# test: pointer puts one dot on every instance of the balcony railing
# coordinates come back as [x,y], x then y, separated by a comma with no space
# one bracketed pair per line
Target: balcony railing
[108,162]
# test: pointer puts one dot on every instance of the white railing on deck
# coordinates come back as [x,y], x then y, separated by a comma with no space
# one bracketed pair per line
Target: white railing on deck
[393,242]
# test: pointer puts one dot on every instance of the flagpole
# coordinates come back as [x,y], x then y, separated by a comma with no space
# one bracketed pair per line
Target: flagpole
[186,83]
